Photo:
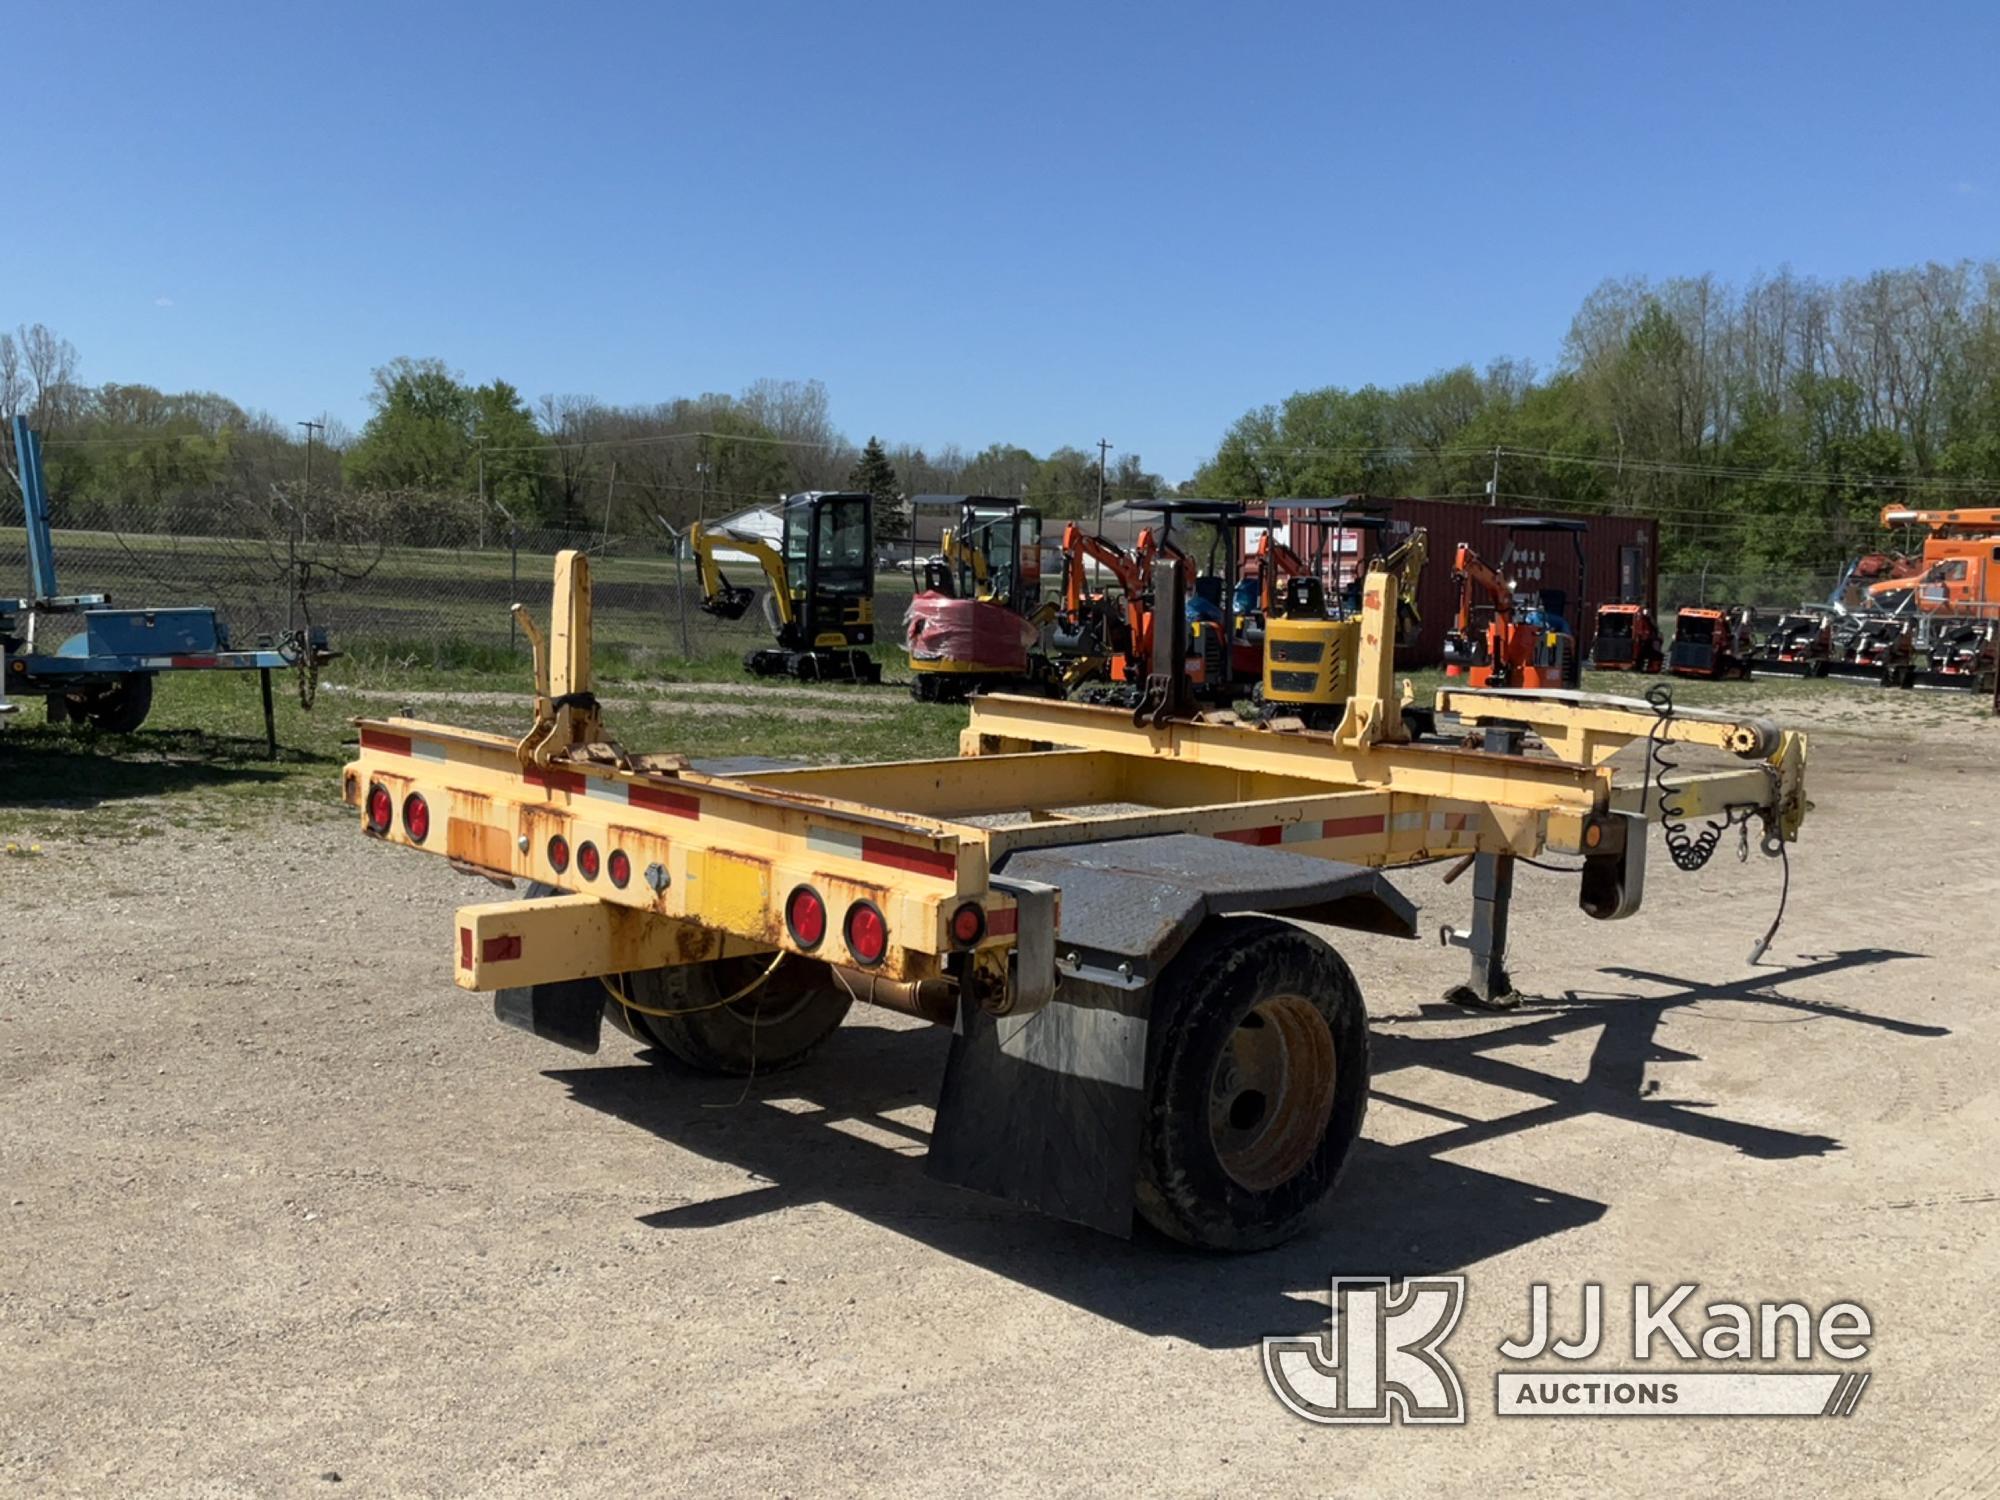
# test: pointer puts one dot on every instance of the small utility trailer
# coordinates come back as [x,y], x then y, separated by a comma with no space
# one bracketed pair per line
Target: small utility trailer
[104,674]
[1106,913]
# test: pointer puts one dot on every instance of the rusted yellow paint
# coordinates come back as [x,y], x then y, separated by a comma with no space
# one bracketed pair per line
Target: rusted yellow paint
[552,938]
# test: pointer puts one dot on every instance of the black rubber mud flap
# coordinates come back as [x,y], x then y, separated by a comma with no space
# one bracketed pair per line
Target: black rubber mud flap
[1047,1109]
[569,1013]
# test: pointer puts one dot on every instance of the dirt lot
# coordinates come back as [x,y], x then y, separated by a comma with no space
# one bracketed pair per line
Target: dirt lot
[282,1212]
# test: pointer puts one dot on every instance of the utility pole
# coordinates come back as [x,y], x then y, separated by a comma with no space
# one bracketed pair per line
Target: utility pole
[1493,484]
[479,448]
[1103,447]
[295,533]
[311,428]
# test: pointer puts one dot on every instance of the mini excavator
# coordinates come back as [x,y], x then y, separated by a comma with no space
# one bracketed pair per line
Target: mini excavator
[1524,639]
[976,622]
[821,601]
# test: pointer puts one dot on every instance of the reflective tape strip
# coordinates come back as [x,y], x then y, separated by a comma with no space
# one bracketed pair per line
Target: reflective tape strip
[385,742]
[933,862]
[608,791]
[835,841]
[427,750]
[1079,1041]
[553,779]
[1268,835]
[680,804]
[1306,830]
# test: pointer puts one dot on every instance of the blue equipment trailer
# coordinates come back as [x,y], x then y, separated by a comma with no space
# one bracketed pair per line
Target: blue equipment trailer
[104,674]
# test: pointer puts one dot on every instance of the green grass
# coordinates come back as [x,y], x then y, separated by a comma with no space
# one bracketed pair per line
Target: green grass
[199,763]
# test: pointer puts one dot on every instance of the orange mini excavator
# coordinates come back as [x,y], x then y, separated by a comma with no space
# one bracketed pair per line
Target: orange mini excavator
[1106,632]
[1518,639]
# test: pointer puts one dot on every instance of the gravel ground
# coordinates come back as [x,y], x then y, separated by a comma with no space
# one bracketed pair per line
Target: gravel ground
[282,1212]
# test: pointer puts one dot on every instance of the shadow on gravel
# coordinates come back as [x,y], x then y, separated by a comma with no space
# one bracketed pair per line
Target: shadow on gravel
[822,1133]
[82,769]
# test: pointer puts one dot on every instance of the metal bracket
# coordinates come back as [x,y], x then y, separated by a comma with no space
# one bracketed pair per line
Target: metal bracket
[1614,883]
[1032,984]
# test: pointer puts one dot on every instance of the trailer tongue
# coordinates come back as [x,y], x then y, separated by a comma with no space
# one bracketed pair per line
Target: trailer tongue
[1104,911]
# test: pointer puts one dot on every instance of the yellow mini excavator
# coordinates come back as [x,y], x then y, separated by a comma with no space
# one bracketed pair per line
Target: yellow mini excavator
[1312,638]
[821,602]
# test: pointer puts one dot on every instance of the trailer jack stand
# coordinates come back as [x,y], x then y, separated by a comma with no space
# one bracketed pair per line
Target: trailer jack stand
[1489,987]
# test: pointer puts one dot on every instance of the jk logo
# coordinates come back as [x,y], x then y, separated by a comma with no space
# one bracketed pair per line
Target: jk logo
[1379,1359]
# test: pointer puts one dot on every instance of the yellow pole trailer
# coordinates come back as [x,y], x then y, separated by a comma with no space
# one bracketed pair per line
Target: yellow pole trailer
[1105,912]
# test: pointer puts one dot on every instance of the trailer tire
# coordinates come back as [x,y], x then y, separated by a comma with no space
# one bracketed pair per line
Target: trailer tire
[117,707]
[1258,1086]
[720,1039]
[775,1026]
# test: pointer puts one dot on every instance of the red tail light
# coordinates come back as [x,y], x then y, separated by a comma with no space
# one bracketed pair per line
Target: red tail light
[587,860]
[559,853]
[416,817]
[968,924]
[867,933]
[381,808]
[805,917]
[619,868]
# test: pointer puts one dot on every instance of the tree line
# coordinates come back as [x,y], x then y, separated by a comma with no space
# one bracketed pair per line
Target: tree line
[1764,425]
[436,446]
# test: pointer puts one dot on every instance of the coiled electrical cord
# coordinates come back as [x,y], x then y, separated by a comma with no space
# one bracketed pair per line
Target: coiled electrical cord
[1692,851]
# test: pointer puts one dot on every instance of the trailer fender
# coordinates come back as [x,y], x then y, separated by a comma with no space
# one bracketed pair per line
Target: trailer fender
[1047,1108]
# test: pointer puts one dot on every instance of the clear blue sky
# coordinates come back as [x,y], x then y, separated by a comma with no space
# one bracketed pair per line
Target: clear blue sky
[1039,224]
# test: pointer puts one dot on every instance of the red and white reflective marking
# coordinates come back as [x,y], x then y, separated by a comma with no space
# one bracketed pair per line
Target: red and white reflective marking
[402,744]
[865,847]
[1306,830]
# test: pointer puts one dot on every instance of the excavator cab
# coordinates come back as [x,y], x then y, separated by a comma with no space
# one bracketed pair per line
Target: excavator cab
[976,621]
[821,575]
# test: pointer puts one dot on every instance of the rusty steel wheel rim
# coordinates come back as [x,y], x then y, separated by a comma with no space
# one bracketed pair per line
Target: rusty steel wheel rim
[1272,1092]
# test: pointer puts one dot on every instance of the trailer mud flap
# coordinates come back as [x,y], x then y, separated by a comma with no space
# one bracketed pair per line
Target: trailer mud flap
[1046,1109]
[569,1012]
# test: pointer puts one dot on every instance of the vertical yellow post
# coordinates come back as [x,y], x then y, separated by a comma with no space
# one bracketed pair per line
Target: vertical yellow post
[1375,712]
[569,722]
[569,626]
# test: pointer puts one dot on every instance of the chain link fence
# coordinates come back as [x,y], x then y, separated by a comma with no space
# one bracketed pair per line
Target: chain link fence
[411,576]
[1764,592]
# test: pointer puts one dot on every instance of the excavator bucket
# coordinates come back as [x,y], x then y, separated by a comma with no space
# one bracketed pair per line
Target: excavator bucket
[730,603]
